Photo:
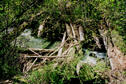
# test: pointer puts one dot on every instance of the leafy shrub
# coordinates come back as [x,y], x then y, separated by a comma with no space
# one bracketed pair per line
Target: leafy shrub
[66,74]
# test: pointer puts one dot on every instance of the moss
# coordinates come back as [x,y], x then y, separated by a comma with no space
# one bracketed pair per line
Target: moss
[120,42]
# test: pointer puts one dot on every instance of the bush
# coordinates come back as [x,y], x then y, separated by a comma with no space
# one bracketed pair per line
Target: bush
[65,73]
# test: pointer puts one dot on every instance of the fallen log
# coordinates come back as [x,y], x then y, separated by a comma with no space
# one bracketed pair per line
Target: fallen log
[38,50]
[62,44]
[41,50]
[69,31]
[74,34]
[34,60]
[32,65]
[61,49]
[46,56]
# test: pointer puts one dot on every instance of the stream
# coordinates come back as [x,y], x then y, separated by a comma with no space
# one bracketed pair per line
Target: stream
[91,57]
[26,40]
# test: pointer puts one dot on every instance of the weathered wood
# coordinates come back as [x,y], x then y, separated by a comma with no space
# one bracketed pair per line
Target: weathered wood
[40,29]
[69,31]
[40,56]
[65,52]
[33,52]
[34,60]
[81,33]
[57,49]
[62,44]
[74,34]
[32,64]
[116,57]
[61,49]
[103,33]
[38,50]
[97,41]
[76,31]
[41,50]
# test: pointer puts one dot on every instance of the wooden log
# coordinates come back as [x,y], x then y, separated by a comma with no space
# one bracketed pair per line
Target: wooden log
[74,35]
[76,32]
[81,33]
[61,49]
[40,29]
[57,49]
[69,31]
[96,39]
[65,52]
[34,60]
[38,50]
[32,64]
[73,31]
[46,56]
[41,50]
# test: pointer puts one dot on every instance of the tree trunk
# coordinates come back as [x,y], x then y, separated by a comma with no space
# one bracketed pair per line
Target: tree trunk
[69,31]
[81,33]
[116,57]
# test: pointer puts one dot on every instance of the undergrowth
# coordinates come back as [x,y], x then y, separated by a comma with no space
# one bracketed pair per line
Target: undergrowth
[65,73]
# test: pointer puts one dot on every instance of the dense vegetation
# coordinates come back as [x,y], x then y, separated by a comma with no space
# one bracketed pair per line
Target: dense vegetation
[92,15]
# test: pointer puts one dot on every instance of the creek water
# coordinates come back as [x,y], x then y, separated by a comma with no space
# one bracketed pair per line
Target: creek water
[26,40]
[91,57]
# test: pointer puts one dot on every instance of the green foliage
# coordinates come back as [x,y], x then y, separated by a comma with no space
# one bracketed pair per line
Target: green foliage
[9,62]
[86,73]
[114,12]
[12,14]
[88,13]
[55,74]
[65,73]
[36,77]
